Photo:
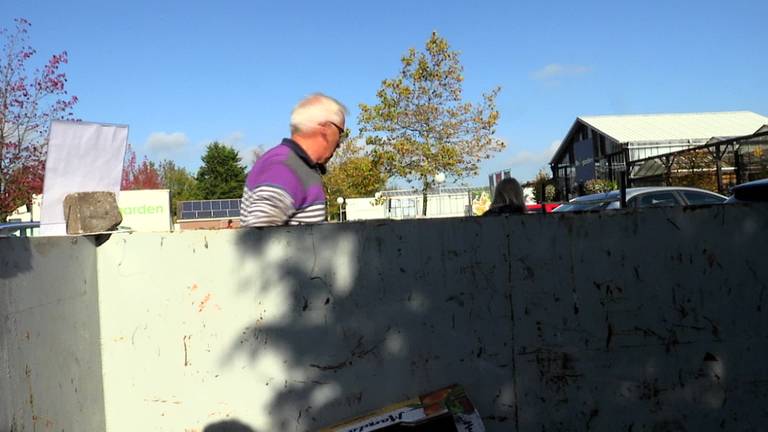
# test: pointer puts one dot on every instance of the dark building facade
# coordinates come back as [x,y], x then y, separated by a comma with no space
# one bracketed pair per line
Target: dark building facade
[606,147]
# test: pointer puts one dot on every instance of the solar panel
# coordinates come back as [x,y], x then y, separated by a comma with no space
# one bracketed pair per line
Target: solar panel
[210,209]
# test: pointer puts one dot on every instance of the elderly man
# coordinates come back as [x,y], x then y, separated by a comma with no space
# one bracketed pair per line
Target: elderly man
[284,186]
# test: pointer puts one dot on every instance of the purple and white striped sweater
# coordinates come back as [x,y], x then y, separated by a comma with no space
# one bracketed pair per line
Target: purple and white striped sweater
[283,187]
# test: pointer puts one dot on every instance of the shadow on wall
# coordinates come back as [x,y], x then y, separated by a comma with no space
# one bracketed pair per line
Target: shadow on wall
[620,321]
[16,252]
[228,426]
[364,323]
[15,256]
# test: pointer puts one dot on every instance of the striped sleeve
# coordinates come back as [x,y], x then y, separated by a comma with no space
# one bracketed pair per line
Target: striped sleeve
[265,206]
[309,215]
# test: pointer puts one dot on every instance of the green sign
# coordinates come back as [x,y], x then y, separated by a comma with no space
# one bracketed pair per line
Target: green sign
[141,210]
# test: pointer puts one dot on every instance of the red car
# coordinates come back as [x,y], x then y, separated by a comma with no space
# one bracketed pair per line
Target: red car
[536,208]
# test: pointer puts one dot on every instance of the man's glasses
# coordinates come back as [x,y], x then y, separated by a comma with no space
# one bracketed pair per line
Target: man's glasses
[342,135]
[338,128]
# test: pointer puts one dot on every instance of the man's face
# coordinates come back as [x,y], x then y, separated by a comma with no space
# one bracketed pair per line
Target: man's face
[335,134]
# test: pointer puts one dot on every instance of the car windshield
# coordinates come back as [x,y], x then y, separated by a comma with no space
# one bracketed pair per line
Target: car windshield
[576,206]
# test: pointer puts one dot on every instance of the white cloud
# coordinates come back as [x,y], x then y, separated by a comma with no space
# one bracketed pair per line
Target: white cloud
[247,151]
[250,154]
[525,157]
[555,70]
[165,143]
[233,140]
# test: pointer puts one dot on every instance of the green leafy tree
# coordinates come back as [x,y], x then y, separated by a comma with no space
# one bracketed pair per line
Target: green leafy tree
[351,174]
[599,186]
[222,176]
[179,181]
[543,179]
[421,125]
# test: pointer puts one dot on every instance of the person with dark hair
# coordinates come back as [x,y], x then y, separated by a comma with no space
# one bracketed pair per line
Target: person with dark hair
[507,199]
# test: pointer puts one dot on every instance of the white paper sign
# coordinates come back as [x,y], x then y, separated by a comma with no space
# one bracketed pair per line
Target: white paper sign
[82,157]
[146,210]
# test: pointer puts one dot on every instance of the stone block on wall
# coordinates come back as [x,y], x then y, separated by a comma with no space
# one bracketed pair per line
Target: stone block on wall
[91,212]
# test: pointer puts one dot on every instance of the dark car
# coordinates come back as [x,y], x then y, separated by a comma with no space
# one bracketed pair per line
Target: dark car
[754,191]
[19,229]
[641,197]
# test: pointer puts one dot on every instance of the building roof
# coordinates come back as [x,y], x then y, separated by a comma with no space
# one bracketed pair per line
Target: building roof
[668,127]
[650,129]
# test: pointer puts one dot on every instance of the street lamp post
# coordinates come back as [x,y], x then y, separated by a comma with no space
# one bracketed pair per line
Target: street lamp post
[340,202]
[439,180]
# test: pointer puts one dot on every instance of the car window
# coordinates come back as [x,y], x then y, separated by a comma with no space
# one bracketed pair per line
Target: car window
[700,198]
[578,206]
[656,199]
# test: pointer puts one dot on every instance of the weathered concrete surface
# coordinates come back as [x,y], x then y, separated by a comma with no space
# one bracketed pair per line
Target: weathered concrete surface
[50,358]
[91,212]
[639,321]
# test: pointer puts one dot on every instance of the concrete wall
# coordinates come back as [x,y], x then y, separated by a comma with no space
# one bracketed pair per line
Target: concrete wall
[648,320]
[49,336]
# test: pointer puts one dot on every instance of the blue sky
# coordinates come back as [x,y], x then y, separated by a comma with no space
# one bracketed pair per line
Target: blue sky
[182,74]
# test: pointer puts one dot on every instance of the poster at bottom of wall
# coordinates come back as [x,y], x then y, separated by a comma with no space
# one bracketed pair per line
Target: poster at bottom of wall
[447,410]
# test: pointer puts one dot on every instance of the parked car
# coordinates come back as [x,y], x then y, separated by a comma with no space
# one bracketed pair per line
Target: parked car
[641,197]
[19,229]
[536,208]
[754,191]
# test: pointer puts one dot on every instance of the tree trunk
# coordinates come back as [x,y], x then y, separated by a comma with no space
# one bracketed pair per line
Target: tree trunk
[425,188]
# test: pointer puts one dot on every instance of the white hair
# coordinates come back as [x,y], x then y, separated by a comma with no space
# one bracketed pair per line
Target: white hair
[314,110]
